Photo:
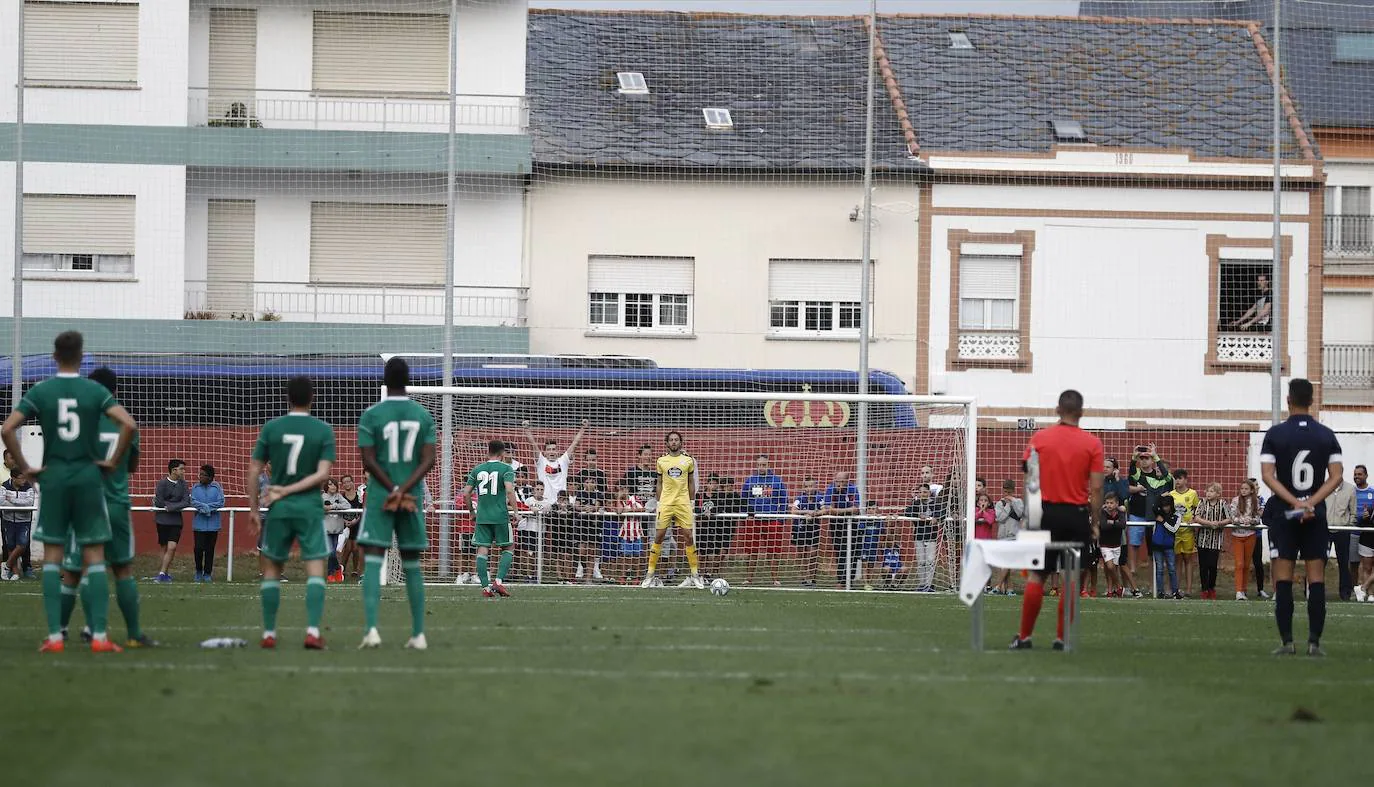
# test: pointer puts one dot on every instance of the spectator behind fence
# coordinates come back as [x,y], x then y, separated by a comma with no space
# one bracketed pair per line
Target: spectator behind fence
[1109,544]
[1340,512]
[1162,546]
[334,525]
[766,497]
[350,552]
[1185,543]
[925,533]
[171,496]
[1149,478]
[841,502]
[984,518]
[806,529]
[1011,513]
[1256,318]
[17,492]
[207,498]
[1212,516]
[1364,540]
[1245,515]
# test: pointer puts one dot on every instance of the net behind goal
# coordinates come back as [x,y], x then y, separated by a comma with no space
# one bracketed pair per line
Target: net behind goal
[789,489]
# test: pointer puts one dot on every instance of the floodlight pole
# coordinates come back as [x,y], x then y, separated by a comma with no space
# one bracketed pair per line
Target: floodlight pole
[17,364]
[865,284]
[1275,285]
[451,208]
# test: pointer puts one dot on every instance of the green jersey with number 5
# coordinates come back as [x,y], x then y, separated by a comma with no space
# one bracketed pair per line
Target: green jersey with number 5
[489,480]
[295,444]
[397,427]
[68,408]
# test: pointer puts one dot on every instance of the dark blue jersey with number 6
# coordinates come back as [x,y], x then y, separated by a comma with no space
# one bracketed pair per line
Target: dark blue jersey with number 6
[1300,449]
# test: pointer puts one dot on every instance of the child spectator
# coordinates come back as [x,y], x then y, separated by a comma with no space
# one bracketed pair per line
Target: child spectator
[1162,545]
[18,492]
[1109,542]
[806,529]
[925,532]
[334,526]
[1087,581]
[892,568]
[1245,514]
[1011,511]
[984,518]
[1185,545]
[1212,516]
[532,508]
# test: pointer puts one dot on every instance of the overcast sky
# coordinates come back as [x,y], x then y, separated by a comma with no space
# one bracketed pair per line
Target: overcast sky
[806,7]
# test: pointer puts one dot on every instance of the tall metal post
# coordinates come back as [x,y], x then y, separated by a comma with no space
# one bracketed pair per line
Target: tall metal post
[16,321]
[446,443]
[865,285]
[1276,288]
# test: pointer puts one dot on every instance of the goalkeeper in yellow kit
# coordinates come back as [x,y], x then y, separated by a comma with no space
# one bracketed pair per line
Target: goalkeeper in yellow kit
[677,483]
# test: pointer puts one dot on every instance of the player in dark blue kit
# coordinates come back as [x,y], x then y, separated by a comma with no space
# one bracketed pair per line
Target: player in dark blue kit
[1301,463]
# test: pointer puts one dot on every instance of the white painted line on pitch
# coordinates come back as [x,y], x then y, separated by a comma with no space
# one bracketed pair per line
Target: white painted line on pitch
[565,672]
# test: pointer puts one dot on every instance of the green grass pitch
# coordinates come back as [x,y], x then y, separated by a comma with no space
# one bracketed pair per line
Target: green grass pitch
[612,686]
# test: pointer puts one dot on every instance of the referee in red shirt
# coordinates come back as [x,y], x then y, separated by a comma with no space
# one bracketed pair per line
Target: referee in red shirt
[1071,463]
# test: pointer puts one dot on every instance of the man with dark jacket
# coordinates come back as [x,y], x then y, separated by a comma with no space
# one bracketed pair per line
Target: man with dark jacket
[171,497]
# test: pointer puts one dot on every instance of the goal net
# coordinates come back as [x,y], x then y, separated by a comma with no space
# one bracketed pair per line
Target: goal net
[790,489]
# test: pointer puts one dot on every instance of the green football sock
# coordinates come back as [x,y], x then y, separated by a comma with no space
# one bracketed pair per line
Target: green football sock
[95,598]
[126,595]
[68,603]
[271,602]
[504,564]
[483,575]
[415,591]
[314,601]
[372,590]
[52,598]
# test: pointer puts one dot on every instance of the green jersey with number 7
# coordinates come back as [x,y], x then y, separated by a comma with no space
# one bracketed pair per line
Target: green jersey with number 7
[396,426]
[295,444]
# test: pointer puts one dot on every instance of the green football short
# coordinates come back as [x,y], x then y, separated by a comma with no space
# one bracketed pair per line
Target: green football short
[379,526]
[119,550]
[72,508]
[279,531]
[485,535]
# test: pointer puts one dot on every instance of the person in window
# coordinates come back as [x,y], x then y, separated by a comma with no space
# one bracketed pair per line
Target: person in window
[1256,318]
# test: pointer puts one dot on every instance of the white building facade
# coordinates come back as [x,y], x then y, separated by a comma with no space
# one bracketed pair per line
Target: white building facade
[246,158]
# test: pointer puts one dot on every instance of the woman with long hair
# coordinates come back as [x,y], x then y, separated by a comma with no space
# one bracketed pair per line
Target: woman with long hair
[1245,514]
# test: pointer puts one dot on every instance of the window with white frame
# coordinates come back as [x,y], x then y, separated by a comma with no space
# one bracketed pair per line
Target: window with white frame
[80,235]
[80,44]
[814,298]
[640,294]
[989,293]
[1349,221]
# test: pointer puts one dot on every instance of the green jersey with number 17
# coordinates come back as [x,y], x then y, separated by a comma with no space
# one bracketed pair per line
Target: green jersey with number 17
[117,480]
[396,426]
[68,408]
[489,479]
[295,444]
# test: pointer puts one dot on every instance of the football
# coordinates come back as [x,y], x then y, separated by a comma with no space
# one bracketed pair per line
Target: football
[719,587]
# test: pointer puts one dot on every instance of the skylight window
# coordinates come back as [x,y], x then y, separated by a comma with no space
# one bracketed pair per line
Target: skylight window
[632,82]
[1355,47]
[1068,131]
[717,117]
[959,41]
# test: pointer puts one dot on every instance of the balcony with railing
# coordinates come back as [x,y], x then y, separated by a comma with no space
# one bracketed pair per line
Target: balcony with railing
[1348,373]
[1349,235]
[351,303]
[332,111]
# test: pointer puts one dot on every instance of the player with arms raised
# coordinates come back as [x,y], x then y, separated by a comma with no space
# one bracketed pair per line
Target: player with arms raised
[68,407]
[396,440]
[1301,463]
[300,448]
[676,488]
[119,550]
[494,483]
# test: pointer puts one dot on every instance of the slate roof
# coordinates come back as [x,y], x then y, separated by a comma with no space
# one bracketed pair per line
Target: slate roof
[1198,86]
[1326,92]
[794,87]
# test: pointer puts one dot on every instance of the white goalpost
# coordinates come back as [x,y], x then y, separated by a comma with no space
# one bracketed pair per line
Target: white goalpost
[776,504]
